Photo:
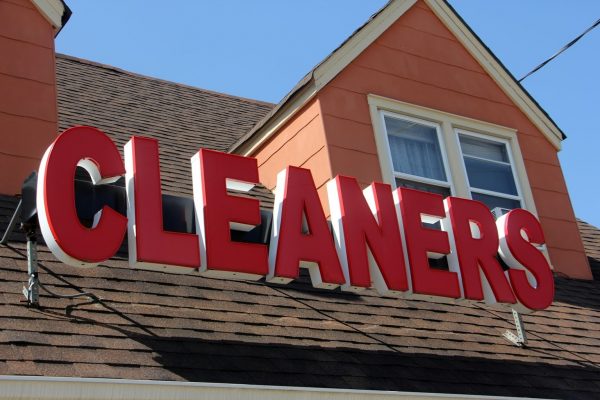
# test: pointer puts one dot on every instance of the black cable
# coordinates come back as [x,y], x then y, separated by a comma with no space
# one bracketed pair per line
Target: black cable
[571,43]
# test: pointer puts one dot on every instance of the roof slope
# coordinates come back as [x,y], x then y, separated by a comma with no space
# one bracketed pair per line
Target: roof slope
[590,235]
[152,325]
[182,118]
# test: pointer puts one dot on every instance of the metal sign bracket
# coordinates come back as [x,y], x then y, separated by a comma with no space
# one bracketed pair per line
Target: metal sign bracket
[520,339]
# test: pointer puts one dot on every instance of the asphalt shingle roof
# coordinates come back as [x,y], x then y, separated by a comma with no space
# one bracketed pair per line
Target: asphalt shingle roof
[182,118]
[152,325]
[159,326]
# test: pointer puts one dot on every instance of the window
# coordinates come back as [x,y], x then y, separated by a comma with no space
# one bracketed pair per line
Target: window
[430,150]
[417,158]
[489,171]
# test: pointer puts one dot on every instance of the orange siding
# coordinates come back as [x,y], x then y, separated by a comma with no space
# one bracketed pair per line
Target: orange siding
[300,142]
[417,60]
[28,113]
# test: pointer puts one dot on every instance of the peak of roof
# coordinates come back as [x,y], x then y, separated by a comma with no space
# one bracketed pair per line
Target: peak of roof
[360,39]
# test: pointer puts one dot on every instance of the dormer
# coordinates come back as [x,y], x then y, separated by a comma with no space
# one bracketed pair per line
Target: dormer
[415,99]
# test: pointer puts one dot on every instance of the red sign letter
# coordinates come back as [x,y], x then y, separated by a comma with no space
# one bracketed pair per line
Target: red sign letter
[476,247]
[69,240]
[150,246]
[217,212]
[422,242]
[300,235]
[367,235]
[530,273]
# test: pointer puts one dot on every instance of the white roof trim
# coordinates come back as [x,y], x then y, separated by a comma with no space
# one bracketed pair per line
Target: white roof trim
[325,72]
[344,55]
[360,41]
[55,388]
[497,72]
[52,10]
[276,122]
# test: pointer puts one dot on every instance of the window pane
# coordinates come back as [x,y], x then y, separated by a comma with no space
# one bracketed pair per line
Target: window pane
[483,149]
[444,191]
[494,201]
[415,149]
[489,175]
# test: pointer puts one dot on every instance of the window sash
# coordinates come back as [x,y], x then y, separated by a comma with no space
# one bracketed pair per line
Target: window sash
[448,183]
[484,175]
[507,148]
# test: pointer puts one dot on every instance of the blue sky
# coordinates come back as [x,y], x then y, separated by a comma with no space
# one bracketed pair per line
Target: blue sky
[260,49]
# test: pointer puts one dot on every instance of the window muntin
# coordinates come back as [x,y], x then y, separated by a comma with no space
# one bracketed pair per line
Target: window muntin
[415,150]
[489,170]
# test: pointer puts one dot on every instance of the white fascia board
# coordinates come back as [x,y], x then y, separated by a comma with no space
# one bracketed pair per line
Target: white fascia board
[55,388]
[52,10]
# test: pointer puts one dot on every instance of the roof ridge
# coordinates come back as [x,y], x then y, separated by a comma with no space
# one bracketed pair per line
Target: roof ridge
[184,85]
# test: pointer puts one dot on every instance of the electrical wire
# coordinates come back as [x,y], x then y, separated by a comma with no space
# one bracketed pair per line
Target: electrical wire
[571,43]
[89,295]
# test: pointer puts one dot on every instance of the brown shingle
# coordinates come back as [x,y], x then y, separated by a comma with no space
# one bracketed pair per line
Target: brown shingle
[182,118]
[151,325]
[591,242]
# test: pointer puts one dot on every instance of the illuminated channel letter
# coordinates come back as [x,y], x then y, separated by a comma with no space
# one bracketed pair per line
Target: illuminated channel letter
[367,236]
[70,241]
[474,251]
[530,274]
[150,246]
[300,235]
[217,212]
[413,208]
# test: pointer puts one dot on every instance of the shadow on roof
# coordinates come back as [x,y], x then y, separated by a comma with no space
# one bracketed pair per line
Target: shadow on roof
[150,325]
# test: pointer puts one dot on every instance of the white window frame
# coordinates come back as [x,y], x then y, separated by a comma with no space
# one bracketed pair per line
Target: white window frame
[450,126]
[419,179]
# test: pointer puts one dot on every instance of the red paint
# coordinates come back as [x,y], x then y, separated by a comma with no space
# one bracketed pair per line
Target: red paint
[421,240]
[153,244]
[477,256]
[72,242]
[523,257]
[363,231]
[301,201]
[220,209]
